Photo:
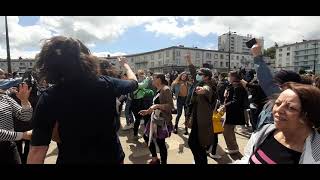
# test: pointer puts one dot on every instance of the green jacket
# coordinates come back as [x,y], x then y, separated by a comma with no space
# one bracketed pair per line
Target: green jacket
[139,94]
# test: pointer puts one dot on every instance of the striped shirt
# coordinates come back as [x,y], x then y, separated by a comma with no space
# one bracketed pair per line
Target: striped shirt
[9,109]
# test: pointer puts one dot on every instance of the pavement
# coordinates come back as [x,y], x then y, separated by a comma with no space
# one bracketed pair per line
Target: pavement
[137,152]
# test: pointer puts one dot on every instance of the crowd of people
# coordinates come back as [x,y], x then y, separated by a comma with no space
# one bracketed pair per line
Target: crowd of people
[78,103]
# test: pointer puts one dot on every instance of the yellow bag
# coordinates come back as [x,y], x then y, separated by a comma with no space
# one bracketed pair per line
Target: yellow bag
[216,122]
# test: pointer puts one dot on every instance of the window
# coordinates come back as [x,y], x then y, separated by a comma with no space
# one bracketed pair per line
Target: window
[152,64]
[232,57]
[132,60]
[280,50]
[227,56]
[227,64]
[159,63]
[178,53]
[242,57]
[221,64]
[297,46]
[297,53]
[30,63]
[152,57]
[215,64]
[216,56]
[288,54]
[288,49]
[306,46]
[305,52]
[21,64]
[167,61]
[197,55]
[305,57]
[305,62]
[237,57]
[167,53]
[221,56]
[237,65]
[232,64]
[159,55]
[197,61]
[208,55]
[280,55]
[178,61]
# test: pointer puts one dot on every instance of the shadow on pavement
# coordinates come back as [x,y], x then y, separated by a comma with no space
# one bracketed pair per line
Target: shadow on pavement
[225,159]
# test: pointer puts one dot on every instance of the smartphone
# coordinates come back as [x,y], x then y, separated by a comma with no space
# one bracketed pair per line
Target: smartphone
[251,43]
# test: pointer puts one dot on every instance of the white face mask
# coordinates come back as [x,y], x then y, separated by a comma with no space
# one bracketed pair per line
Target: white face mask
[199,77]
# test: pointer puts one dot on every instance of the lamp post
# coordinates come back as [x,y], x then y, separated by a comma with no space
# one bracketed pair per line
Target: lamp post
[8,46]
[315,57]
[229,34]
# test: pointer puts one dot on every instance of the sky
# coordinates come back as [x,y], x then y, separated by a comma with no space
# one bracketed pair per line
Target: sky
[120,35]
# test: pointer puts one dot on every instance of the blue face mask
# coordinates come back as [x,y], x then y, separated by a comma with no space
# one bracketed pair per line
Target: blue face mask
[199,78]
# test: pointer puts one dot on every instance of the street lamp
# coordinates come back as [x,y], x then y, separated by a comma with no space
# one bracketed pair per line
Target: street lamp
[229,34]
[8,46]
[315,57]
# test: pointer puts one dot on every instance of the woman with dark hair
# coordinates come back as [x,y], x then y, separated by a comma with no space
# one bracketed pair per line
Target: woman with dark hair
[81,105]
[236,97]
[160,126]
[180,88]
[293,138]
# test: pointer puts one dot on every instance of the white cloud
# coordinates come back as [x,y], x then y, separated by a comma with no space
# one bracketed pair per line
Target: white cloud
[105,54]
[93,30]
[273,28]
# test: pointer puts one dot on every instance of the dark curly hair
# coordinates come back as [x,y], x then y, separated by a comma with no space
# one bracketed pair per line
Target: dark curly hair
[64,59]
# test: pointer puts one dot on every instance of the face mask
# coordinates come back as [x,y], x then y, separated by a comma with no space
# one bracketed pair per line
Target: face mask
[199,78]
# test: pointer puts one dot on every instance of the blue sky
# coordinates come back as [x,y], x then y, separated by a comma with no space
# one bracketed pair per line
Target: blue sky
[136,34]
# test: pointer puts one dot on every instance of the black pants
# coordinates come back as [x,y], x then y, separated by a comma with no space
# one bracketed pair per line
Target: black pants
[9,153]
[136,106]
[162,147]
[181,104]
[198,151]
[23,152]
[214,144]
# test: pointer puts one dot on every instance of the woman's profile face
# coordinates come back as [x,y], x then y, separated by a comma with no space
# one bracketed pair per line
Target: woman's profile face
[287,111]
[183,77]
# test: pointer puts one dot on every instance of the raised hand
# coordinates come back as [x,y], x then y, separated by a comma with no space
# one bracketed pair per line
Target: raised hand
[23,93]
[122,61]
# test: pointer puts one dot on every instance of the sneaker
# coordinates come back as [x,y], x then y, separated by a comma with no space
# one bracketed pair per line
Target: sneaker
[215,156]
[155,162]
[127,127]
[231,151]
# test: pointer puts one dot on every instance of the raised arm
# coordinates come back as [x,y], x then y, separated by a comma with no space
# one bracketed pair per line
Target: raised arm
[124,63]
[264,74]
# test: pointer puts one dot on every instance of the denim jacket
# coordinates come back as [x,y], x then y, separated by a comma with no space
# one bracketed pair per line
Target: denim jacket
[269,87]
[8,83]
[176,89]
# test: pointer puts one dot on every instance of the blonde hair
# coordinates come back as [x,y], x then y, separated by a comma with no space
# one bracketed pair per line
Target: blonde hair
[178,79]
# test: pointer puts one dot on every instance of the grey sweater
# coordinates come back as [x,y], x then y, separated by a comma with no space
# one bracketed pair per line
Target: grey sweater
[310,154]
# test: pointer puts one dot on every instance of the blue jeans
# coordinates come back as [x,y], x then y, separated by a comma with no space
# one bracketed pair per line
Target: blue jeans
[128,112]
[181,103]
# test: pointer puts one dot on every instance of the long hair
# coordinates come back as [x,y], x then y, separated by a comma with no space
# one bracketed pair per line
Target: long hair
[64,59]
[178,79]
[162,78]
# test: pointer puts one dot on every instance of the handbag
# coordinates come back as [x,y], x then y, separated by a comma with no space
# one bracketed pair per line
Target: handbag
[217,120]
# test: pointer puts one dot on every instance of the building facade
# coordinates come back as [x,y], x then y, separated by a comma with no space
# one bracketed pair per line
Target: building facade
[172,59]
[18,65]
[297,56]
[237,43]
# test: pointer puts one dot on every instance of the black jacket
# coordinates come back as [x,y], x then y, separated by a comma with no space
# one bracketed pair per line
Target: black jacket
[238,97]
